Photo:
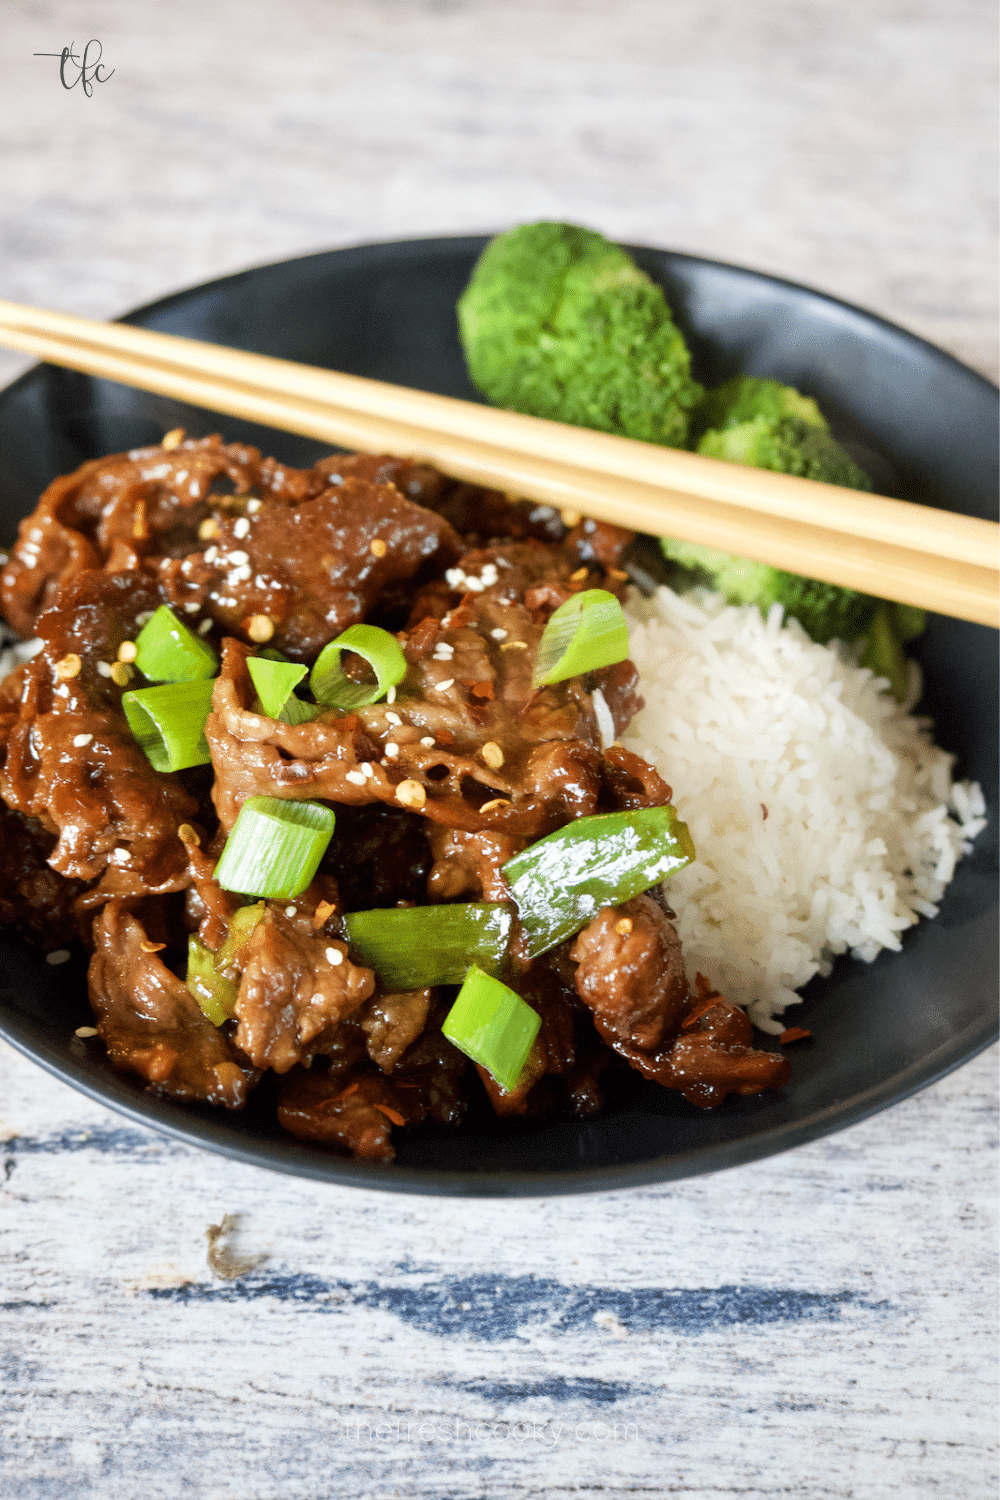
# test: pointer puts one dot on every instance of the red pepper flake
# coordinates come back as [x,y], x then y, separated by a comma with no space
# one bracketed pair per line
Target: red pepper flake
[390,1114]
[706,1003]
[482,690]
[763,811]
[422,639]
[793,1034]
[444,737]
[704,989]
[352,1088]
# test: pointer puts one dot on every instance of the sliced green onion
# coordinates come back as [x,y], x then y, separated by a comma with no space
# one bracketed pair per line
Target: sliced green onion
[493,1026]
[214,993]
[209,975]
[561,883]
[169,723]
[412,947]
[275,847]
[167,651]
[383,653]
[585,633]
[275,682]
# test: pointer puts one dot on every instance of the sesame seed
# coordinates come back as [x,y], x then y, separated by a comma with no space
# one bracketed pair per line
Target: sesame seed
[121,674]
[191,607]
[489,574]
[570,518]
[119,856]
[79,740]
[260,627]
[189,834]
[390,696]
[334,956]
[253,506]
[68,667]
[494,803]
[624,927]
[492,755]
[193,488]
[149,947]
[58,956]
[368,770]
[499,634]
[290,911]
[208,528]
[428,740]
[145,617]
[128,651]
[211,553]
[239,575]
[242,528]
[85,1031]
[104,668]
[356,778]
[206,626]
[172,439]
[378,548]
[443,687]
[514,646]
[394,718]
[391,749]
[239,557]
[411,794]
[579,575]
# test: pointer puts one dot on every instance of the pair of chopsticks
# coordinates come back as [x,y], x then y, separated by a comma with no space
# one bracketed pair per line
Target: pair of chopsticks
[891,548]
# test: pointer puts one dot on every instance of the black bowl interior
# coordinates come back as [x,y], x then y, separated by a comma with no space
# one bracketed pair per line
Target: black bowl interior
[925,426]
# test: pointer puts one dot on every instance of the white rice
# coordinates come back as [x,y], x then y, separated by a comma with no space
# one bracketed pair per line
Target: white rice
[864,825]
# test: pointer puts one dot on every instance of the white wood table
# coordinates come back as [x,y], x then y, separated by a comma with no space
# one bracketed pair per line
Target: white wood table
[817,1325]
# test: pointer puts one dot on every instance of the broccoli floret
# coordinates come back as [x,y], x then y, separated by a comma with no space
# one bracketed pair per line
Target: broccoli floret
[748,396]
[824,611]
[558,322]
[788,445]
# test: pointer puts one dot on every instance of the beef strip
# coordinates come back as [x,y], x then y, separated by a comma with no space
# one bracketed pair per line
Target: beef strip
[630,973]
[391,1023]
[72,760]
[115,511]
[151,1023]
[34,899]
[315,568]
[467,742]
[354,1105]
[297,986]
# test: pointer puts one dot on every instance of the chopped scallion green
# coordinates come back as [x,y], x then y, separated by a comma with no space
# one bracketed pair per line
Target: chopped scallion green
[169,723]
[584,634]
[274,847]
[214,993]
[275,682]
[494,1026]
[167,651]
[330,684]
[412,947]
[561,882]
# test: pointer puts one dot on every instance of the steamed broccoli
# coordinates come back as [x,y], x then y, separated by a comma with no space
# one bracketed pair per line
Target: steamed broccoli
[748,396]
[558,322]
[788,445]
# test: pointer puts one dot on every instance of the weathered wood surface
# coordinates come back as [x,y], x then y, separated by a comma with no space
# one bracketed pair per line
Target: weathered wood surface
[819,1325]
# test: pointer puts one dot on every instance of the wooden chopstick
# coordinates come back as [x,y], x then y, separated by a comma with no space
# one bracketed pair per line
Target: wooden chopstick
[891,548]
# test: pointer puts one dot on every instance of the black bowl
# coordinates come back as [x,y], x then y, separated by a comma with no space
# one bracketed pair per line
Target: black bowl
[925,426]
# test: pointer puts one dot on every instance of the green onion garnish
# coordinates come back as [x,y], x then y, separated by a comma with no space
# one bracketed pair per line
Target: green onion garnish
[383,653]
[274,847]
[412,947]
[493,1026]
[214,993]
[208,978]
[561,883]
[275,682]
[167,651]
[585,633]
[169,723]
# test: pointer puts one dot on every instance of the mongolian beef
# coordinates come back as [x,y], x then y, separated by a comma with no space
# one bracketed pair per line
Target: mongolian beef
[463,797]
